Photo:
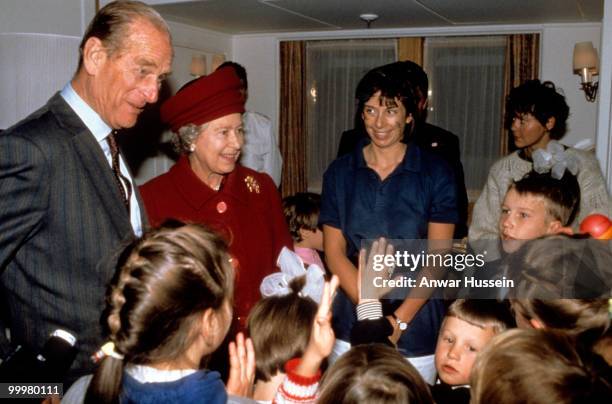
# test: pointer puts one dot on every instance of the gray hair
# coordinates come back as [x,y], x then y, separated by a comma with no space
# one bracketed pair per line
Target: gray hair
[111,24]
[185,137]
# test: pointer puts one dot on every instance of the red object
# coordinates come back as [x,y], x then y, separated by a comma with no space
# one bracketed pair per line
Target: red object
[221,207]
[598,226]
[203,100]
[254,223]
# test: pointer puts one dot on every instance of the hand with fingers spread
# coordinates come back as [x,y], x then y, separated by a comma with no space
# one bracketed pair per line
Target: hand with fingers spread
[242,367]
[322,336]
[366,272]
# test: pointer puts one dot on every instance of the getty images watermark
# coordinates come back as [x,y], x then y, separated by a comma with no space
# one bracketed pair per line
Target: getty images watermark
[546,268]
[414,268]
[403,261]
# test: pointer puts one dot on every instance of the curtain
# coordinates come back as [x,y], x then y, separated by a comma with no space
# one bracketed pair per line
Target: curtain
[334,69]
[292,117]
[410,49]
[466,94]
[522,63]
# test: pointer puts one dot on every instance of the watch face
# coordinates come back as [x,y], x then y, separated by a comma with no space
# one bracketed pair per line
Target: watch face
[401,325]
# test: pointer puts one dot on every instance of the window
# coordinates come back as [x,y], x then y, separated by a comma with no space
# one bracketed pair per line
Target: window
[466,85]
[333,69]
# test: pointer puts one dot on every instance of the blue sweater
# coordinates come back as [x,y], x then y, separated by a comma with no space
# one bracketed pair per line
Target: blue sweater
[200,387]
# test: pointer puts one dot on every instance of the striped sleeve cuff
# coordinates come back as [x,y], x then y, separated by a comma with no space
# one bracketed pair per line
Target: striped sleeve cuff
[296,388]
[369,310]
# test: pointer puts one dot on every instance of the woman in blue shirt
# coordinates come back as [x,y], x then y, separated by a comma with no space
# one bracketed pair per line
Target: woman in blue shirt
[387,188]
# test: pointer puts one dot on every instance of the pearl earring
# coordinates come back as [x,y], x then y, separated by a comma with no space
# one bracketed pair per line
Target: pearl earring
[192,148]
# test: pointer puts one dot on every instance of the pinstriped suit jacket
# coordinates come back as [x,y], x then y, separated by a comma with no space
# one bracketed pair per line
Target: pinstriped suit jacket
[62,221]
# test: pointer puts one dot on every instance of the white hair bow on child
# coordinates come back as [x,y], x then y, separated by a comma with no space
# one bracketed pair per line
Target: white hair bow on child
[292,266]
[554,159]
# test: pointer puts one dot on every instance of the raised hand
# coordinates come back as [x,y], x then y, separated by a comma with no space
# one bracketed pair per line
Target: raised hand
[242,367]
[368,270]
[322,336]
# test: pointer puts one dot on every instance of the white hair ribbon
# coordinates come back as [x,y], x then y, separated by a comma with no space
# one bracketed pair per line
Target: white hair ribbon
[554,159]
[292,266]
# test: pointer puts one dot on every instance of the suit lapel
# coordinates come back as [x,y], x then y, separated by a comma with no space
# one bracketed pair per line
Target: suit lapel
[95,165]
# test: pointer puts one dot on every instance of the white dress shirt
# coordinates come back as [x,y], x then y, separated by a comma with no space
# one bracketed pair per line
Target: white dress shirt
[260,151]
[100,131]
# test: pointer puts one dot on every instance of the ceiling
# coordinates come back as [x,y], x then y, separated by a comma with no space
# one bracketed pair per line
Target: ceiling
[237,17]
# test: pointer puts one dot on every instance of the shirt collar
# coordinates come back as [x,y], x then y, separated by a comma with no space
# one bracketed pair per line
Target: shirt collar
[410,162]
[90,118]
[148,374]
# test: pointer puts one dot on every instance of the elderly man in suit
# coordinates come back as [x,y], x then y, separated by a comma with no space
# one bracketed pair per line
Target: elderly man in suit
[67,201]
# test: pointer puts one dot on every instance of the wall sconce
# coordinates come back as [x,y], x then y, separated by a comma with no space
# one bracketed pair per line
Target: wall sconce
[198,65]
[217,61]
[586,64]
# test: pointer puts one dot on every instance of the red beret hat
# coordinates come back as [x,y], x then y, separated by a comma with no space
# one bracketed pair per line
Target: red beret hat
[205,99]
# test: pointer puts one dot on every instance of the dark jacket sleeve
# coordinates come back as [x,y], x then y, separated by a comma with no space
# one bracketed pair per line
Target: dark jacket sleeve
[24,193]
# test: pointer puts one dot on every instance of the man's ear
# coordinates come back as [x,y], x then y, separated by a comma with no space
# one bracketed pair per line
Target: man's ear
[94,55]
[409,118]
[550,123]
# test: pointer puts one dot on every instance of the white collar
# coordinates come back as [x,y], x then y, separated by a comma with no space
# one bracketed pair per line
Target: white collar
[148,374]
[90,118]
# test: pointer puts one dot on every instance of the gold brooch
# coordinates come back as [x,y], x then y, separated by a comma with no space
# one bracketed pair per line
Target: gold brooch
[252,184]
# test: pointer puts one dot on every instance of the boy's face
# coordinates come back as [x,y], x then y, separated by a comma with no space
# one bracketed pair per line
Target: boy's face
[458,344]
[524,217]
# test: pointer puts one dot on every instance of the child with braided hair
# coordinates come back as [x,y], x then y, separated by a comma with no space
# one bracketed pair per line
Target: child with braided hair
[169,306]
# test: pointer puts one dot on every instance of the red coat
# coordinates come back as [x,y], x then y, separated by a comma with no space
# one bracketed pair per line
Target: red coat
[246,210]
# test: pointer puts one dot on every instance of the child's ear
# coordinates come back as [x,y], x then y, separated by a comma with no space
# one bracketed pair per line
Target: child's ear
[305,233]
[555,227]
[209,323]
[550,123]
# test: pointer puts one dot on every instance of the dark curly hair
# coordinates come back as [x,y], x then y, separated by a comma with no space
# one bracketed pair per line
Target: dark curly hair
[391,87]
[543,101]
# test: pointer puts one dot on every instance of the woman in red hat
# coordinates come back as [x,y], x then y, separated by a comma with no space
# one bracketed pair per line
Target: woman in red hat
[207,185]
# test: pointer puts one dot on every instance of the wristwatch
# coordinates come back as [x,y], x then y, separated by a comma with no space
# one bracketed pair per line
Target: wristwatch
[402,325]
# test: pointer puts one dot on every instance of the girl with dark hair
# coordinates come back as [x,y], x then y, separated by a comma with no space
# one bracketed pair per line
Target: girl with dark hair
[275,343]
[169,306]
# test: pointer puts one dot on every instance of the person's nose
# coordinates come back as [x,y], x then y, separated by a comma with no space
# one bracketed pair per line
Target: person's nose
[236,140]
[516,124]
[151,90]
[507,221]
[379,121]
[453,352]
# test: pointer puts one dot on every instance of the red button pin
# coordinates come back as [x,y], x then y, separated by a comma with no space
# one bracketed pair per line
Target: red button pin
[221,207]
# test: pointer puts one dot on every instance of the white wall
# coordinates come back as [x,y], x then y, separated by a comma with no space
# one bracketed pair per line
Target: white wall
[604,129]
[32,68]
[259,53]
[556,65]
[65,17]
[260,58]
[188,40]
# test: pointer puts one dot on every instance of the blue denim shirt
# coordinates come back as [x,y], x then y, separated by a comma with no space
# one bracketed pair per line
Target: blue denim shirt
[422,189]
